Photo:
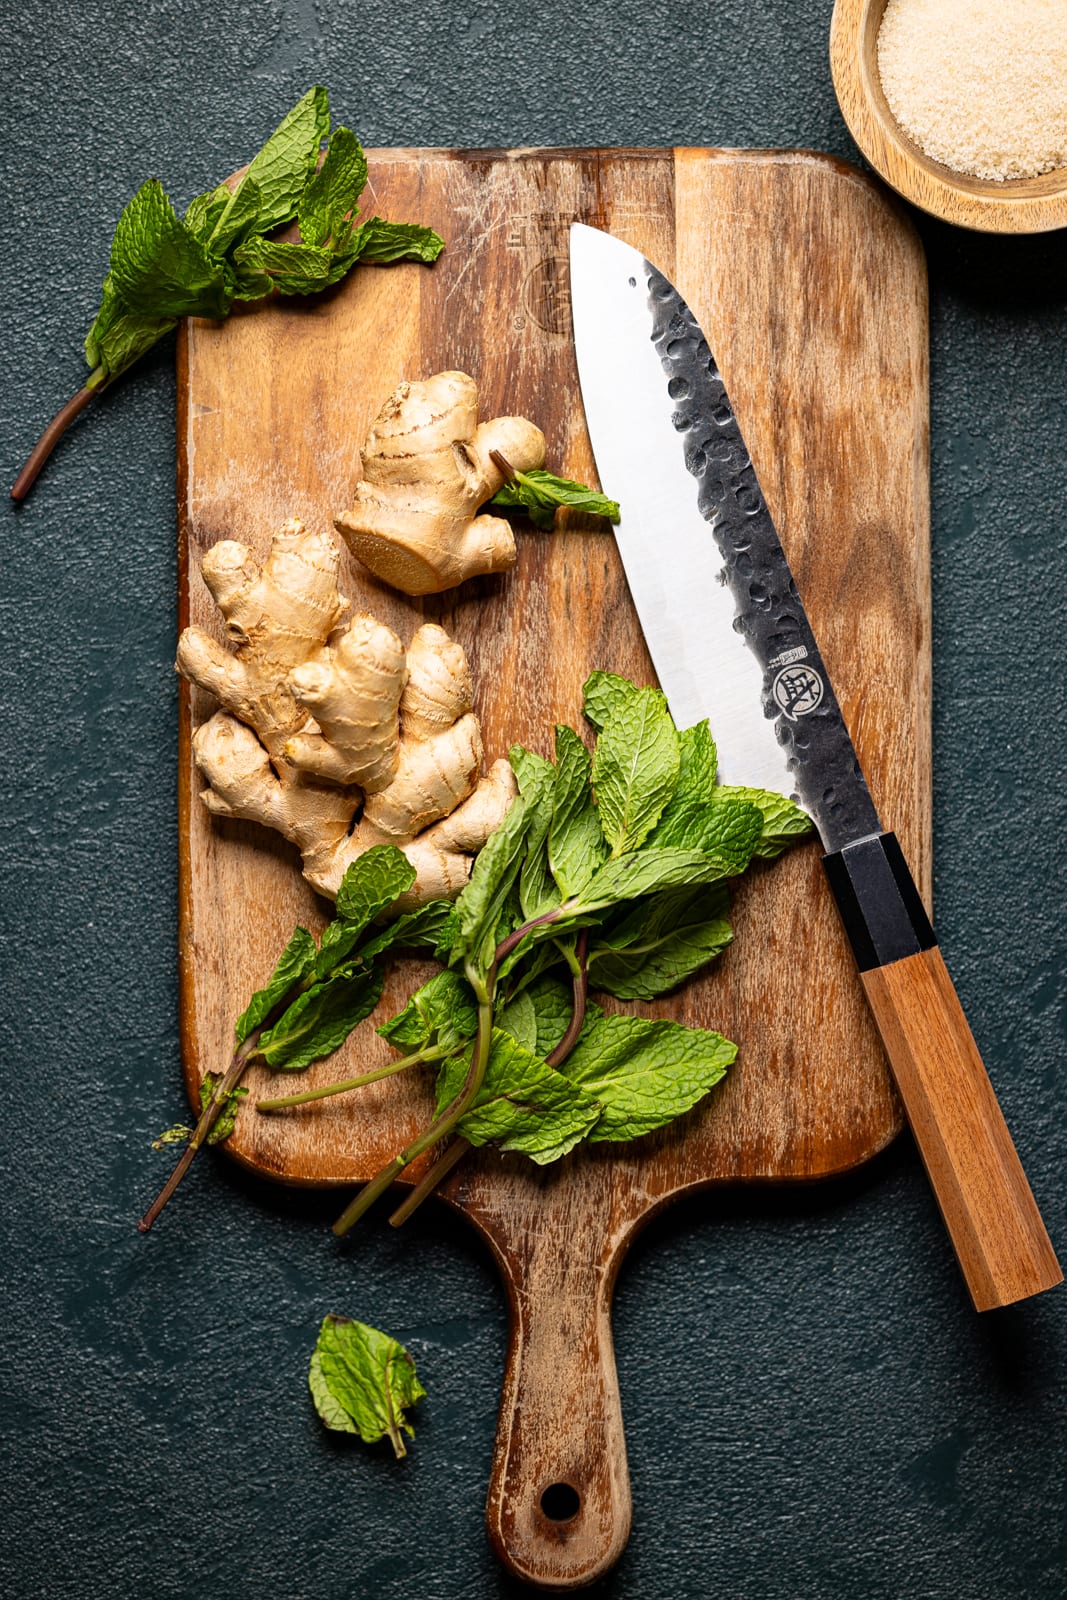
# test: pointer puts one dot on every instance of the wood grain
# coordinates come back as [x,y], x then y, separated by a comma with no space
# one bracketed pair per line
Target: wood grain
[1018,205]
[812,289]
[968,1153]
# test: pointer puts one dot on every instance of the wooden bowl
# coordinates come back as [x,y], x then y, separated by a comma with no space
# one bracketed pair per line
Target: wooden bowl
[1017,205]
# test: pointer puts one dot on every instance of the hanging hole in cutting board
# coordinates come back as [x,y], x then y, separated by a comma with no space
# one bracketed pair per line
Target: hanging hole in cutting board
[560,1502]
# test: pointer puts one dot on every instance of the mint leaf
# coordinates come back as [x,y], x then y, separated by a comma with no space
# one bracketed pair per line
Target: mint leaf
[119,337]
[443,1012]
[291,268]
[181,1133]
[421,929]
[783,820]
[635,769]
[364,1382]
[519,1019]
[540,494]
[282,167]
[381,242]
[644,1073]
[647,872]
[659,944]
[158,267]
[327,209]
[553,1004]
[536,777]
[319,1021]
[370,885]
[481,902]
[575,841]
[237,219]
[223,1125]
[522,1105]
[727,829]
[603,693]
[296,962]
[203,213]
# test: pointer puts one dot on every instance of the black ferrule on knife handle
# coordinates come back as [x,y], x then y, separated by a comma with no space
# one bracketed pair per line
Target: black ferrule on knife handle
[880,906]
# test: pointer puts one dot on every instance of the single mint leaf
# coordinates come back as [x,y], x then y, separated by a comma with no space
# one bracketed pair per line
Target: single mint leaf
[382,242]
[646,872]
[296,962]
[660,943]
[536,776]
[576,845]
[370,885]
[540,494]
[443,1013]
[698,762]
[783,821]
[421,929]
[327,209]
[522,1105]
[291,268]
[635,769]
[179,1134]
[644,1073]
[223,1125]
[319,1021]
[158,267]
[481,903]
[729,830]
[119,337]
[203,213]
[238,218]
[364,1382]
[283,166]
[603,693]
[519,1019]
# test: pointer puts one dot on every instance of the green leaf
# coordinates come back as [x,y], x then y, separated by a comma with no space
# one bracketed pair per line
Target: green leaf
[238,218]
[364,1382]
[421,929]
[381,242]
[649,871]
[320,1020]
[540,494]
[296,962]
[519,1019]
[576,845]
[119,337]
[635,769]
[327,208]
[158,267]
[661,943]
[698,764]
[223,1125]
[443,1012]
[536,776]
[292,268]
[783,821]
[729,830]
[282,167]
[644,1073]
[370,885]
[603,694]
[481,902]
[181,1133]
[522,1105]
[203,213]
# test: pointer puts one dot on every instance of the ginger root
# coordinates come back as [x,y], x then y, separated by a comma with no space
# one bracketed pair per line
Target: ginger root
[310,735]
[426,470]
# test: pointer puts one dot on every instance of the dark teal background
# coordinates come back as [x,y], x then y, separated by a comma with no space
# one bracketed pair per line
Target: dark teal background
[813,1410]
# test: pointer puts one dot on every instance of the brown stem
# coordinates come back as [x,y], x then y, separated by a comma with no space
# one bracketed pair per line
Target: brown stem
[426,1185]
[503,466]
[50,438]
[581,994]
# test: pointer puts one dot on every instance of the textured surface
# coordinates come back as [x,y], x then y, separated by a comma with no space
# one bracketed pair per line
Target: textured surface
[812,1408]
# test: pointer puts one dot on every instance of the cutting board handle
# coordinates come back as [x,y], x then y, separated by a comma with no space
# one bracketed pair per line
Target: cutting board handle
[559,1510]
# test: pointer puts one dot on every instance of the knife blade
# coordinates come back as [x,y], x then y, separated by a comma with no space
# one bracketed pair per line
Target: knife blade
[730,640]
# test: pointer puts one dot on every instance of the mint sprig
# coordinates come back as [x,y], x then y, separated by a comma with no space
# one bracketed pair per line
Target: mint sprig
[164,267]
[540,494]
[609,872]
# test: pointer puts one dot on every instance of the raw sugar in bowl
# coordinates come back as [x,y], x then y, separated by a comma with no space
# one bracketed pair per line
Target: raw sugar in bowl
[930,88]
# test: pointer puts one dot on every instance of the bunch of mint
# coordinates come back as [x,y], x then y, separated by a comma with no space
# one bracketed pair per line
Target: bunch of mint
[608,873]
[164,267]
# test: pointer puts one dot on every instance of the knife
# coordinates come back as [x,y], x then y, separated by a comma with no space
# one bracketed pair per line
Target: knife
[730,641]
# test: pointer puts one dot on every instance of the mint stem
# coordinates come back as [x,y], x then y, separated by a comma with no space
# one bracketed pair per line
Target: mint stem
[426,1185]
[52,435]
[581,995]
[345,1084]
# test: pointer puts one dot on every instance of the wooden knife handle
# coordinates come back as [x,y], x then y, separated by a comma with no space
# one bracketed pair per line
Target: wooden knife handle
[559,1509]
[989,1210]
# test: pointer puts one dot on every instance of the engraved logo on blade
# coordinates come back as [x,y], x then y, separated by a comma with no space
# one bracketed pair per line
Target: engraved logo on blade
[797,690]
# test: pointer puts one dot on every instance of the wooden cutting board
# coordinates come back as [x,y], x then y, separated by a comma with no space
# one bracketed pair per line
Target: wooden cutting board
[812,288]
